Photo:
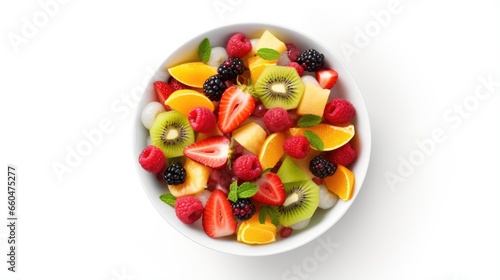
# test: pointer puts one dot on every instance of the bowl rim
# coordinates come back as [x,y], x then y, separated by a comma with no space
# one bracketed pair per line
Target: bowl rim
[268,249]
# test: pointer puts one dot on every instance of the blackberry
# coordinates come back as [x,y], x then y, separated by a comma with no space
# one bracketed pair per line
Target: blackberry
[214,87]
[311,60]
[322,167]
[231,68]
[243,209]
[175,174]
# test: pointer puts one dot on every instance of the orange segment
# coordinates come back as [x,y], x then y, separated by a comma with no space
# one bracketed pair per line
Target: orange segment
[252,231]
[184,100]
[192,73]
[256,64]
[196,179]
[272,150]
[341,182]
[332,136]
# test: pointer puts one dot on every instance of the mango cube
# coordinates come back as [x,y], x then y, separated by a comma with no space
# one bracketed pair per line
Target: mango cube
[313,100]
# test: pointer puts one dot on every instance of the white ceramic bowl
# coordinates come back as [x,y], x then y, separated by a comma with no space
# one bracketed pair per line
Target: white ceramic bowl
[322,220]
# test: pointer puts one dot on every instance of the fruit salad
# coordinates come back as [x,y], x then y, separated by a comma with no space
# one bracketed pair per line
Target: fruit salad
[249,140]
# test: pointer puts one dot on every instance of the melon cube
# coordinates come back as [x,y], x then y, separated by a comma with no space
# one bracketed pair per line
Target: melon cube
[313,100]
[251,136]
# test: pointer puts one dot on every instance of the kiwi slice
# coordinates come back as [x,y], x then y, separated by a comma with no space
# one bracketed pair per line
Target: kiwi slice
[302,199]
[290,172]
[279,86]
[171,132]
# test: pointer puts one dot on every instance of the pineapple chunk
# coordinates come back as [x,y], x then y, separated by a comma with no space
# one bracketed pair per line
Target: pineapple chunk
[196,179]
[255,63]
[268,40]
[313,100]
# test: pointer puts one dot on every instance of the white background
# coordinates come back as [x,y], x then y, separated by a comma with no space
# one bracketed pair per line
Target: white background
[442,222]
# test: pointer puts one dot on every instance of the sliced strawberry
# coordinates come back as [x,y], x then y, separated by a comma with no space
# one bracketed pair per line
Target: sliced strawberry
[217,220]
[271,190]
[212,152]
[235,106]
[163,91]
[326,78]
[176,85]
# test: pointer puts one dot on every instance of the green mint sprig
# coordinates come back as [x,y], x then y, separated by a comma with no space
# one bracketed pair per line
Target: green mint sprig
[270,211]
[204,50]
[268,53]
[245,190]
[309,120]
[314,140]
[168,198]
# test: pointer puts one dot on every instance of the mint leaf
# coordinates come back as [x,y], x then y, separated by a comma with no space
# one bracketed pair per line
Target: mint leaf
[268,53]
[233,192]
[270,211]
[247,190]
[262,214]
[267,171]
[314,140]
[168,198]
[309,120]
[204,50]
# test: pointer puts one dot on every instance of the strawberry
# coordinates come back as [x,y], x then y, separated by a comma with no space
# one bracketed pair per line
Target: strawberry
[176,85]
[235,106]
[212,152]
[163,91]
[271,190]
[326,78]
[217,220]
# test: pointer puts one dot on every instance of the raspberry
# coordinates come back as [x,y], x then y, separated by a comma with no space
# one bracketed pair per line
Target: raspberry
[277,119]
[202,119]
[243,209]
[214,87]
[321,167]
[231,68]
[296,146]
[176,84]
[247,167]
[297,67]
[188,209]
[238,45]
[311,60]
[339,111]
[343,155]
[175,174]
[152,159]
